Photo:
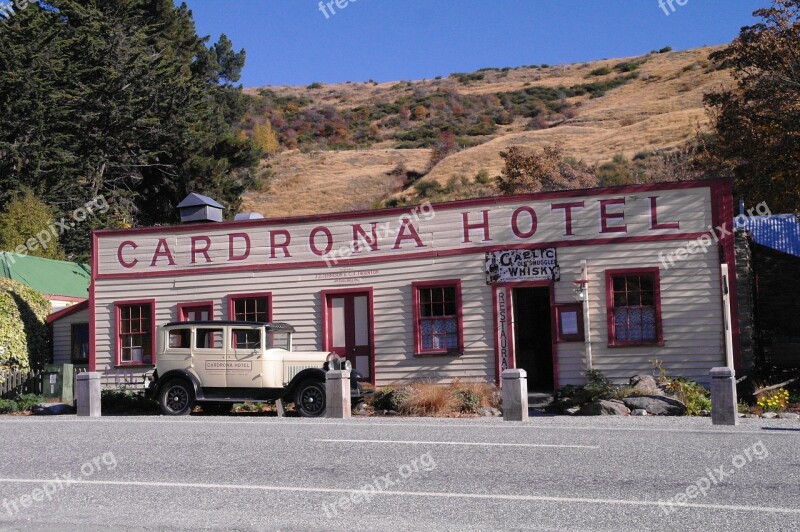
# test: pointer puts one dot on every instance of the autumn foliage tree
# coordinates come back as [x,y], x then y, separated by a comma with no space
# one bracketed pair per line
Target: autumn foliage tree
[527,170]
[757,122]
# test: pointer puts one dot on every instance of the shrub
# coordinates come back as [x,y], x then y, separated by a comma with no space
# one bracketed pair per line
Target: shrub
[693,395]
[390,398]
[126,401]
[482,177]
[602,71]
[315,85]
[469,402]
[665,50]
[23,327]
[773,400]
[25,403]
[598,386]
[7,406]
[626,66]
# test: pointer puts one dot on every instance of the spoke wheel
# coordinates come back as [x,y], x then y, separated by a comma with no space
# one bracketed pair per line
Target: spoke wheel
[176,398]
[310,399]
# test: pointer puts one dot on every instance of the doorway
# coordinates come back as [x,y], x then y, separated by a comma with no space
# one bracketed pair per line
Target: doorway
[349,329]
[533,336]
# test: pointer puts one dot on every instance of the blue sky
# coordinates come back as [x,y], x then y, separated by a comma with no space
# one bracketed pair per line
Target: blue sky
[292,41]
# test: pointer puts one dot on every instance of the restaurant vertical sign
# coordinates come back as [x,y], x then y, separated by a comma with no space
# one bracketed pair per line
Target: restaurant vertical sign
[503,331]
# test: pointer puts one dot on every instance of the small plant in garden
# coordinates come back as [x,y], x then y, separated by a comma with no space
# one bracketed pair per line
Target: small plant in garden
[598,386]
[7,406]
[773,400]
[469,401]
[693,395]
[23,403]
[658,366]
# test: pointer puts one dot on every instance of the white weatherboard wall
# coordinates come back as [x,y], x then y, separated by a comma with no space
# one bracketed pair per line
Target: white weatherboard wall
[62,336]
[690,291]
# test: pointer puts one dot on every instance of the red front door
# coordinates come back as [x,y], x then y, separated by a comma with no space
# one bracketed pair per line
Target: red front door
[349,330]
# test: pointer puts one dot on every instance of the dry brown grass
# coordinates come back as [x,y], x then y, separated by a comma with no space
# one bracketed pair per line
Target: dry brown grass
[661,109]
[444,400]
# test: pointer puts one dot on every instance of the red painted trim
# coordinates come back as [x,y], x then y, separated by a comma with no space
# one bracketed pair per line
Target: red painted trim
[550,285]
[153,333]
[92,313]
[405,256]
[190,304]
[569,307]
[512,337]
[327,326]
[495,326]
[655,272]
[443,283]
[69,311]
[723,213]
[458,204]
[232,298]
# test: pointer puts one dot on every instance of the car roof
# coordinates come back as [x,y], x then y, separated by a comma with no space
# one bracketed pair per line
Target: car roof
[272,326]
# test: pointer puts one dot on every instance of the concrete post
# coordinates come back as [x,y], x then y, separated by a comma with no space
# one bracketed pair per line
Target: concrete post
[337,394]
[515,395]
[724,410]
[88,394]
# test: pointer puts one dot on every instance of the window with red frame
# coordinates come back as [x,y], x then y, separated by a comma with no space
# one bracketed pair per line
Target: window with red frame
[635,314]
[438,318]
[251,309]
[135,334]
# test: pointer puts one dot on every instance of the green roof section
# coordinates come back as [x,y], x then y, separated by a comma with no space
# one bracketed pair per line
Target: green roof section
[47,276]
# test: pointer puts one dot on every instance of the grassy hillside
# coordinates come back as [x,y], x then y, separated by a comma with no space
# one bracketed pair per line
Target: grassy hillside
[356,145]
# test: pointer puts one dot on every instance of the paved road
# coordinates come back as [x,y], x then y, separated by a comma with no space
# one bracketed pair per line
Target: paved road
[234,473]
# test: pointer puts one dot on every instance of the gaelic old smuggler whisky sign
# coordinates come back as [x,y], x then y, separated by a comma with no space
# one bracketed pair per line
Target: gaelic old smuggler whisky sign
[522,265]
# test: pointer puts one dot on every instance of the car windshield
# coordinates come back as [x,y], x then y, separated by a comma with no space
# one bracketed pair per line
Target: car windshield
[278,339]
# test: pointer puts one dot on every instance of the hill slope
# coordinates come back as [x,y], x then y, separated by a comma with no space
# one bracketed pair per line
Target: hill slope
[595,111]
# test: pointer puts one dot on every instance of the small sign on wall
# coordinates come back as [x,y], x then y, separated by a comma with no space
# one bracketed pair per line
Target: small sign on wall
[569,318]
[522,265]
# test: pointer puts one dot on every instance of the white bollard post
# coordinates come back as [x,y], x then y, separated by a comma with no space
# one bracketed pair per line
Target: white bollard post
[88,394]
[337,394]
[724,408]
[515,395]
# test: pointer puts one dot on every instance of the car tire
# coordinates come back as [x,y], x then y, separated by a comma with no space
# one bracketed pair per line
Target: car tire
[309,398]
[176,398]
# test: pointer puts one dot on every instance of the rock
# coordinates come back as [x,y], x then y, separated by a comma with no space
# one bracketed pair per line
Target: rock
[769,415]
[390,413]
[646,384]
[361,410]
[639,412]
[656,405]
[605,408]
[705,413]
[495,412]
[485,412]
[571,411]
[51,409]
[789,415]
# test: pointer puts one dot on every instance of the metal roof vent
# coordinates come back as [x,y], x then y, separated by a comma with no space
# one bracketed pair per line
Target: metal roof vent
[198,208]
[243,216]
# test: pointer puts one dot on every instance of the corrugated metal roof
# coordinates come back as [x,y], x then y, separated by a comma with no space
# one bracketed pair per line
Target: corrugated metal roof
[47,276]
[778,231]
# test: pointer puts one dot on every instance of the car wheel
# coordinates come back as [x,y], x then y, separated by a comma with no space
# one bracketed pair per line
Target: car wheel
[309,400]
[176,398]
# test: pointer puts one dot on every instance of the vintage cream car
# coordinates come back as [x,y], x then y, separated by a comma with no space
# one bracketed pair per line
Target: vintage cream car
[218,363]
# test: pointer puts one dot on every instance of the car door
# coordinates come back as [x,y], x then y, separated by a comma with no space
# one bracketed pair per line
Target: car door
[208,356]
[244,366]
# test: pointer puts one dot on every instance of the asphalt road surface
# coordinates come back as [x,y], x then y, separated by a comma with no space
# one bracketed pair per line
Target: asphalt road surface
[239,473]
